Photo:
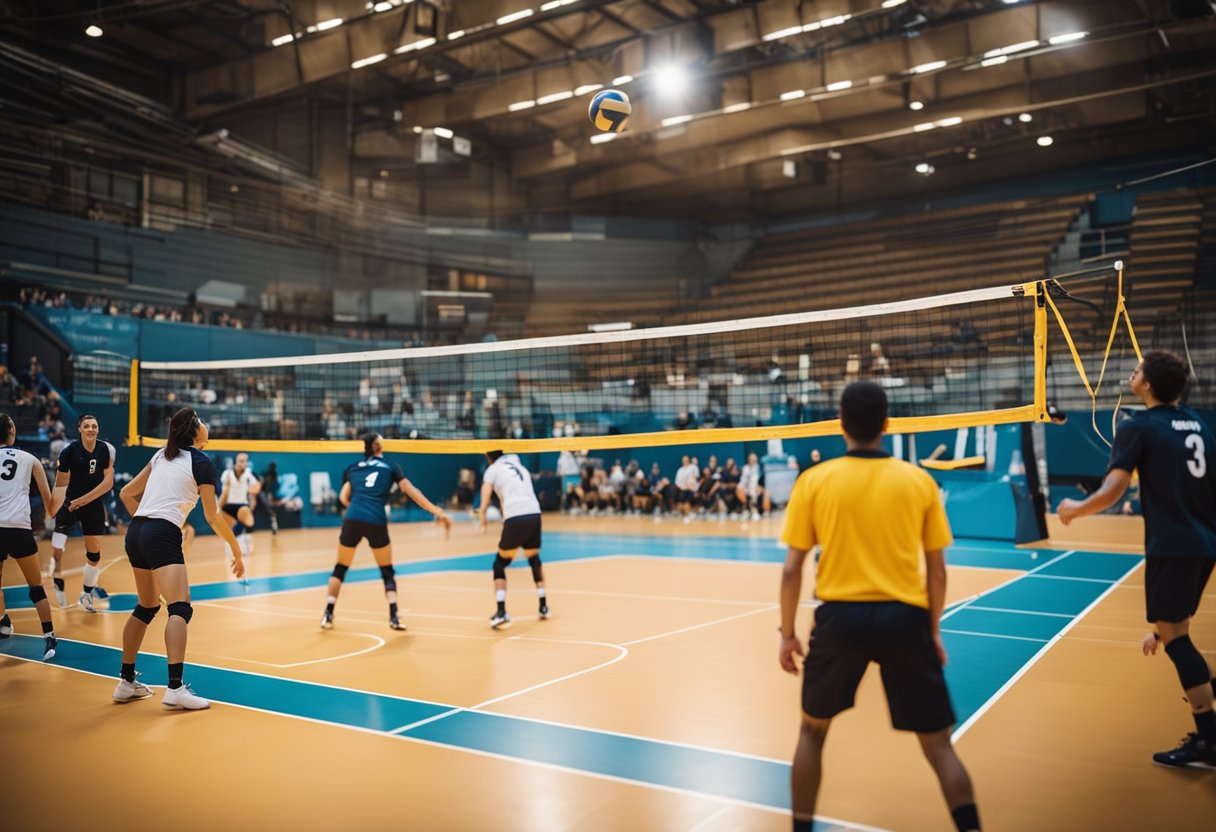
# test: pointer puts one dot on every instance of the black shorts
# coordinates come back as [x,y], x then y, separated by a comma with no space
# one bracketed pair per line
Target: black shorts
[91,517]
[153,542]
[355,530]
[232,508]
[848,636]
[520,532]
[17,543]
[1173,586]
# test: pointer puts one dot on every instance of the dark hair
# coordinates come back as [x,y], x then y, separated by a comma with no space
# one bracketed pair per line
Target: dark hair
[863,410]
[83,416]
[182,428]
[7,426]
[1167,375]
[369,439]
[493,455]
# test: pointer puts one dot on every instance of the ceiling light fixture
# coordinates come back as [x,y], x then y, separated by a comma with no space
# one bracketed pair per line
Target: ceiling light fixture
[329,24]
[1025,118]
[513,16]
[1045,141]
[839,85]
[672,121]
[282,39]
[737,108]
[555,96]
[792,94]
[374,59]
[670,79]
[929,67]
[622,79]
[521,105]
[916,105]
[997,61]
[1068,38]
[443,132]
[94,31]
[600,138]
[586,88]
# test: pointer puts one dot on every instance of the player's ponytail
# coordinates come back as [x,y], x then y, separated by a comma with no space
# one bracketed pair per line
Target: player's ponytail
[182,428]
[8,429]
[369,442]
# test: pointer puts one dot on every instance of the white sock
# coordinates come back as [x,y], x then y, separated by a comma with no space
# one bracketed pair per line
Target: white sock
[91,574]
[500,595]
[540,590]
[332,599]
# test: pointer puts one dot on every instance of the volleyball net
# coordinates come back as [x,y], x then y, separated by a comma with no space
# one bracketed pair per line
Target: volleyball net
[965,359]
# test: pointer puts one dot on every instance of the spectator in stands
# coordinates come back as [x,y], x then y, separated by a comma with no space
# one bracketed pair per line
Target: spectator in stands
[467,420]
[661,489]
[10,390]
[880,365]
[34,378]
[269,494]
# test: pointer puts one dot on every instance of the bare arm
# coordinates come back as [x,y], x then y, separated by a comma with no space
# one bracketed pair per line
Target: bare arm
[418,497]
[219,524]
[935,584]
[487,489]
[134,490]
[44,490]
[791,591]
[107,483]
[1112,489]
[60,494]
[344,494]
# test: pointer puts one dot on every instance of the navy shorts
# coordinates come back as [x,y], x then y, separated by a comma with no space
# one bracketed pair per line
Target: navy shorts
[232,508]
[520,532]
[152,543]
[17,543]
[355,530]
[91,517]
[1174,585]
[848,636]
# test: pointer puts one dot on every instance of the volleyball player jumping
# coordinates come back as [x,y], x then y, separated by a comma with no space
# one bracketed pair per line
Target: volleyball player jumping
[159,500]
[17,468]
[365,488]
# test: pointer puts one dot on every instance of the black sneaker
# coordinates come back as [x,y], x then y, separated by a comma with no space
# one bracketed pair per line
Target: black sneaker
[544,610]
[50,645]
[1194,751]
[6,626]
[394,623]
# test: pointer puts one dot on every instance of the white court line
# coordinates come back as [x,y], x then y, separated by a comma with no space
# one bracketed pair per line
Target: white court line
[642,596]
[716,621]
[995,635]
[1068,578]
[1021,612]
[964,604]
[992,700]
[379,643]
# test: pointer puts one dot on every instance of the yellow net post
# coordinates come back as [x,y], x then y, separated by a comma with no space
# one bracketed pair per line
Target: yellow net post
[133,407]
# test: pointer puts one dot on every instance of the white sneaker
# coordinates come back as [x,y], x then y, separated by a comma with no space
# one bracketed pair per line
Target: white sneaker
[61,598]
[86,602]
[184,699]
[755,515]
[50,645]
[130,691]
[500,621]
[6,626]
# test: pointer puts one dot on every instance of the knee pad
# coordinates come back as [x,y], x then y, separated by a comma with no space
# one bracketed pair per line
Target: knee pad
[93,557]
[145,614]
[386,575]
[1189,662]
[59,540]
[37,593]
[340,571]
[534,562]
[182,610]
[500,567]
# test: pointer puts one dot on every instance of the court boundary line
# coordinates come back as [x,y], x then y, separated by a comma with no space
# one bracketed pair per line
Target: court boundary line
[961,730]
[994,635]
[1020,612]
[966,604]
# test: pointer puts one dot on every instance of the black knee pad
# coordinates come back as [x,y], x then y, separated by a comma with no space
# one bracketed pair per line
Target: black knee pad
[1189,662]
[386,575]
[500,568]
[93,557]
[37,593]
[145,614]
[340,571]
[534,562]
[182,610]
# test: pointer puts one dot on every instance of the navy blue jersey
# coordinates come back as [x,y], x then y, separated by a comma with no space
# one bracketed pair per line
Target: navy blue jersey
[371,480]
[1176,456]
[86,469]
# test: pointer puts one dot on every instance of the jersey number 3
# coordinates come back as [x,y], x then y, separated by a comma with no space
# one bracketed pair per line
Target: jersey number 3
[1199,465]
[10,469]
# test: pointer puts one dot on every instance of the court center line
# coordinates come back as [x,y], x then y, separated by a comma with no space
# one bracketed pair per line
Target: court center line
[1024,669]
[716,621]
[1068,578]
[638,595]
[994,635]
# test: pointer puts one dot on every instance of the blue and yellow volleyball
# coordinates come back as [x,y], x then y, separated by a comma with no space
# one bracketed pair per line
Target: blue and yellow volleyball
[609,111]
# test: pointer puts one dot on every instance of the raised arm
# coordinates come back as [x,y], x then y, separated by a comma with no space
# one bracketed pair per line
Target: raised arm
[134,490]
[219,524]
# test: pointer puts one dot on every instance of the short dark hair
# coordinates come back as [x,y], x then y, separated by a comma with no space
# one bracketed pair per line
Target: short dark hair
[369,439]
[493,455]
[83,416]
[863,410]
[1167,374]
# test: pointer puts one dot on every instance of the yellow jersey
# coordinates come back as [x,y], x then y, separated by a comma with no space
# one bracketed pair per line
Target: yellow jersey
[873,516]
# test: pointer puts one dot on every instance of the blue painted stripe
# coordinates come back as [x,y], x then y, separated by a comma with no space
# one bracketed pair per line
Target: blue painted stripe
[1091,565]
[1006,623]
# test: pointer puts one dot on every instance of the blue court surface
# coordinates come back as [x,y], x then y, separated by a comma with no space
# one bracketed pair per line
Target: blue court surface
[992,638]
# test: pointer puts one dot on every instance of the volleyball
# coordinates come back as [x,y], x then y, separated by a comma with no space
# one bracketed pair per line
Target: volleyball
[609,111]
[493,515]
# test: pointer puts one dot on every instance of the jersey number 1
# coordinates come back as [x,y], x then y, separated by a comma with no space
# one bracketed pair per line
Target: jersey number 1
[1199,465]
[371,479]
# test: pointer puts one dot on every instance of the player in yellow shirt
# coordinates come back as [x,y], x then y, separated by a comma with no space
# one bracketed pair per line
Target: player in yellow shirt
[873,516]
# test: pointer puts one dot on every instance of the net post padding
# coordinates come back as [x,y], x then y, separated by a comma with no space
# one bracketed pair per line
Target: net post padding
[133,437]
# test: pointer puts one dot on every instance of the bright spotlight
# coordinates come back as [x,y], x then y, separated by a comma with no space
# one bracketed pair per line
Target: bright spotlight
[94,31]
[670,79]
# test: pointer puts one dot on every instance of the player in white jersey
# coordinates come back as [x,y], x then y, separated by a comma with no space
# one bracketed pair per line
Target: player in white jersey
[17,468]
[509,479]
[159,500]
[239,486]
[85,475]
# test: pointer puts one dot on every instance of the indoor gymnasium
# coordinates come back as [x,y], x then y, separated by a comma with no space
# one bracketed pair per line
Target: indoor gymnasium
[465,414]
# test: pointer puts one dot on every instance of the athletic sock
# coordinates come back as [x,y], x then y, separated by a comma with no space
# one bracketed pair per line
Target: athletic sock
[1205,724]
[966,818]
[128,671]
[804,825]
[59,585]
[540,592]
[392,610]
[48,628]
[175,675]
[500,595]
[329,604]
